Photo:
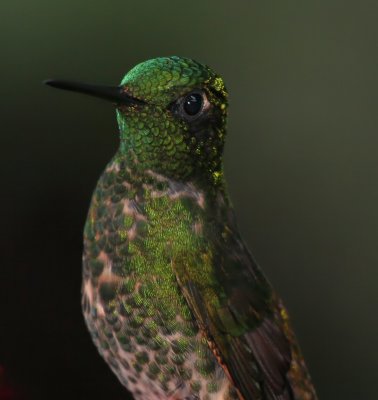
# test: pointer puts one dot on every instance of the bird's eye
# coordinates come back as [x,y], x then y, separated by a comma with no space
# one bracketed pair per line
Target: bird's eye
[193,104]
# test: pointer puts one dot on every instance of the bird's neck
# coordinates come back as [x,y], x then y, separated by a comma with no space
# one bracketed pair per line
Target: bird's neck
[209,181]
[210,192]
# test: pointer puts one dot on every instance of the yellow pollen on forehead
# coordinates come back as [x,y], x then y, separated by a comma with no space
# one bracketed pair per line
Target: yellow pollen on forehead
[218,85]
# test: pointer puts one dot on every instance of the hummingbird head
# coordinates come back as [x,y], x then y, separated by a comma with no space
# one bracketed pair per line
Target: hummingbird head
[171,113]
[179,128]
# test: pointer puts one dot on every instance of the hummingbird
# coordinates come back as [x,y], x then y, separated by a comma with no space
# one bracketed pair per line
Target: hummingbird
[174,301]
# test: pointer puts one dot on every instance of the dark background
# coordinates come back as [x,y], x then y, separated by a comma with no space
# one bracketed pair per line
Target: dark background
[301,162]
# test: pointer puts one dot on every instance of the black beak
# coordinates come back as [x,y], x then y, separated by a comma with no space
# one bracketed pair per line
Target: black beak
[114,94]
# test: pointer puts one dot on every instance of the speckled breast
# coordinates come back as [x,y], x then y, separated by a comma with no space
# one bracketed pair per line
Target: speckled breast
[137,317]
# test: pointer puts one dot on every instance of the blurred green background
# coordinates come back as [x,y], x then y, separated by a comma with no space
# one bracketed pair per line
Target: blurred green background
[301,162]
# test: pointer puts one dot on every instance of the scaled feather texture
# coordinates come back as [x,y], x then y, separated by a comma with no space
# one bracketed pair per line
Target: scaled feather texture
[174,301]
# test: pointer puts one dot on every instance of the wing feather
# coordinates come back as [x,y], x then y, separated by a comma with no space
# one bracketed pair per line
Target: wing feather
[243,326]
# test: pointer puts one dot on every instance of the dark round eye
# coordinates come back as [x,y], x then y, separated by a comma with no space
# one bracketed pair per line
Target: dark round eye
[193,104]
